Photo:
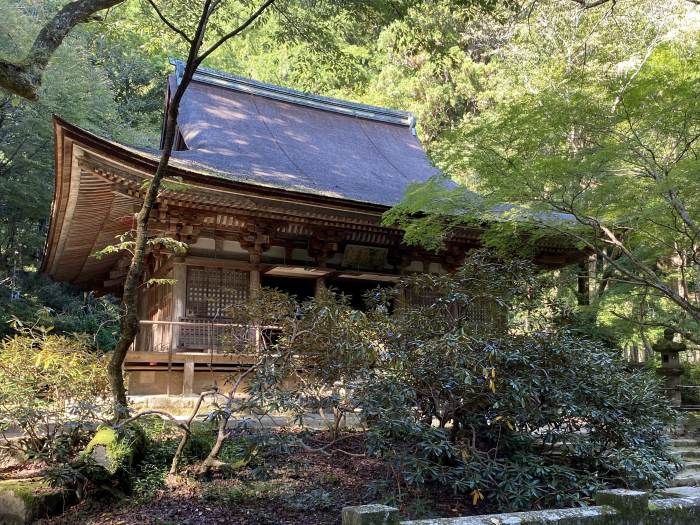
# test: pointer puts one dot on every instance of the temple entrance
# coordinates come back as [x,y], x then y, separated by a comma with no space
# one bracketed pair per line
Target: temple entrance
[301,289]
[355,289]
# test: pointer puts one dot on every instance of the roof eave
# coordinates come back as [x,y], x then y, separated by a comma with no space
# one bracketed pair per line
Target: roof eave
[58,176]
[148,164]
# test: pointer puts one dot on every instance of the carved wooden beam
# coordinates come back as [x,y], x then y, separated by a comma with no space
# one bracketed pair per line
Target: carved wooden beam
[323,245]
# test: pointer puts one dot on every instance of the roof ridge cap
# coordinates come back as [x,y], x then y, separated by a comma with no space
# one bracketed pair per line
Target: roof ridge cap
[293,96]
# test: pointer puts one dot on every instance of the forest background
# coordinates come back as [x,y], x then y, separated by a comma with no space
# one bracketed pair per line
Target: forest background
[506,101]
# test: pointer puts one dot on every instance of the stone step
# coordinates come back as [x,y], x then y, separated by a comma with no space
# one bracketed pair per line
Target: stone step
[692,480]
[690,467]
[685,442]
[686,453]
[682,492]
[686,480]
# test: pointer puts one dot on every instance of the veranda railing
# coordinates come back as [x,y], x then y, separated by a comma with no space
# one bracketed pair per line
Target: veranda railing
[201,336]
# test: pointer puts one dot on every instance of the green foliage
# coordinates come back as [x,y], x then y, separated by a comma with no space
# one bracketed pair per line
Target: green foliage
[98,80]
[522,421]
[32,301]
[427,212]
[472,385]
[326,338]
[151,473]
[81,85]
[593,114]
[35,370]
[126,243]
[535,416]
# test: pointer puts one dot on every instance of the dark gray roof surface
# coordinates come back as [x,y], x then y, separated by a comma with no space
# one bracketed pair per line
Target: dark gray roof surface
[261,134]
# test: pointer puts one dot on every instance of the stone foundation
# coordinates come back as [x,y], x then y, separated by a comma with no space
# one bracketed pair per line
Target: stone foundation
[614,507]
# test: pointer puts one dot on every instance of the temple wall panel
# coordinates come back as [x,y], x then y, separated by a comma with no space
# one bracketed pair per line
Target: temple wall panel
[154,382]
[204,243]
[300,254]
[275,254]
[415,266]
[234,247]
[435,267]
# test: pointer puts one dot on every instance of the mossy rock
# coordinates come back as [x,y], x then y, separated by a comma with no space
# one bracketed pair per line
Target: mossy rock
[116,451]
[27,500]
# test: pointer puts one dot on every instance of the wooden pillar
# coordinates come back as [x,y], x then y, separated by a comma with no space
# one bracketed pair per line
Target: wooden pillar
[179,299]
[256,240]
[254,276]
[320,286]
[144,338]
[322,246]
[254,282]
[402,267]
[188,378]
[586,281]
[177,312]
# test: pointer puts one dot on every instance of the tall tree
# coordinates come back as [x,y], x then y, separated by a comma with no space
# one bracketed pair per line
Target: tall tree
[198,52]
[594,115]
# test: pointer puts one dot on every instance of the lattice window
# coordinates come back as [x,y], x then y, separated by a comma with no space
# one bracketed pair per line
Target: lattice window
[420,296]
[483,314]
[212,292]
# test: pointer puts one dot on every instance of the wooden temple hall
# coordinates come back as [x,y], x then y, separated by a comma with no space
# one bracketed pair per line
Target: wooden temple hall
[278,188]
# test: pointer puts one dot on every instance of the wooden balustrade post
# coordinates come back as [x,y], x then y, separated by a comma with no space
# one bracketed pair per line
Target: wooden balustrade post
[188,378]
[179,297]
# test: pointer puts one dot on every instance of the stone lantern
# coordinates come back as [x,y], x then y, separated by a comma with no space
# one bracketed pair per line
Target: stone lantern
[670,369]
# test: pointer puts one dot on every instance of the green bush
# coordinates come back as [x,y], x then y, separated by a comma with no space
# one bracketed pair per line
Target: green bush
[64,309]
[151,473]
[521,421]
[523,417]
[53,389]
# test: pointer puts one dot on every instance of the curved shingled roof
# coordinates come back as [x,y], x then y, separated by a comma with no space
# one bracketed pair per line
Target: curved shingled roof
[262,134]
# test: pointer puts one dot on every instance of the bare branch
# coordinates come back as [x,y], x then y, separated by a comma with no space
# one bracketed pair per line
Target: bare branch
[252,18]
[168,23]
[153,412]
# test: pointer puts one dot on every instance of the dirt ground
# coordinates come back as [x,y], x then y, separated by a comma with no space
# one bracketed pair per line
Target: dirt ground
[301,488]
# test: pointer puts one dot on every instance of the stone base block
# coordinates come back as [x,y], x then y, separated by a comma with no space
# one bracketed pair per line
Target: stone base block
[25,501]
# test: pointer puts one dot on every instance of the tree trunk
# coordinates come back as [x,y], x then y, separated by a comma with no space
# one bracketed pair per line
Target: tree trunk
[23,78]
[130,320]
